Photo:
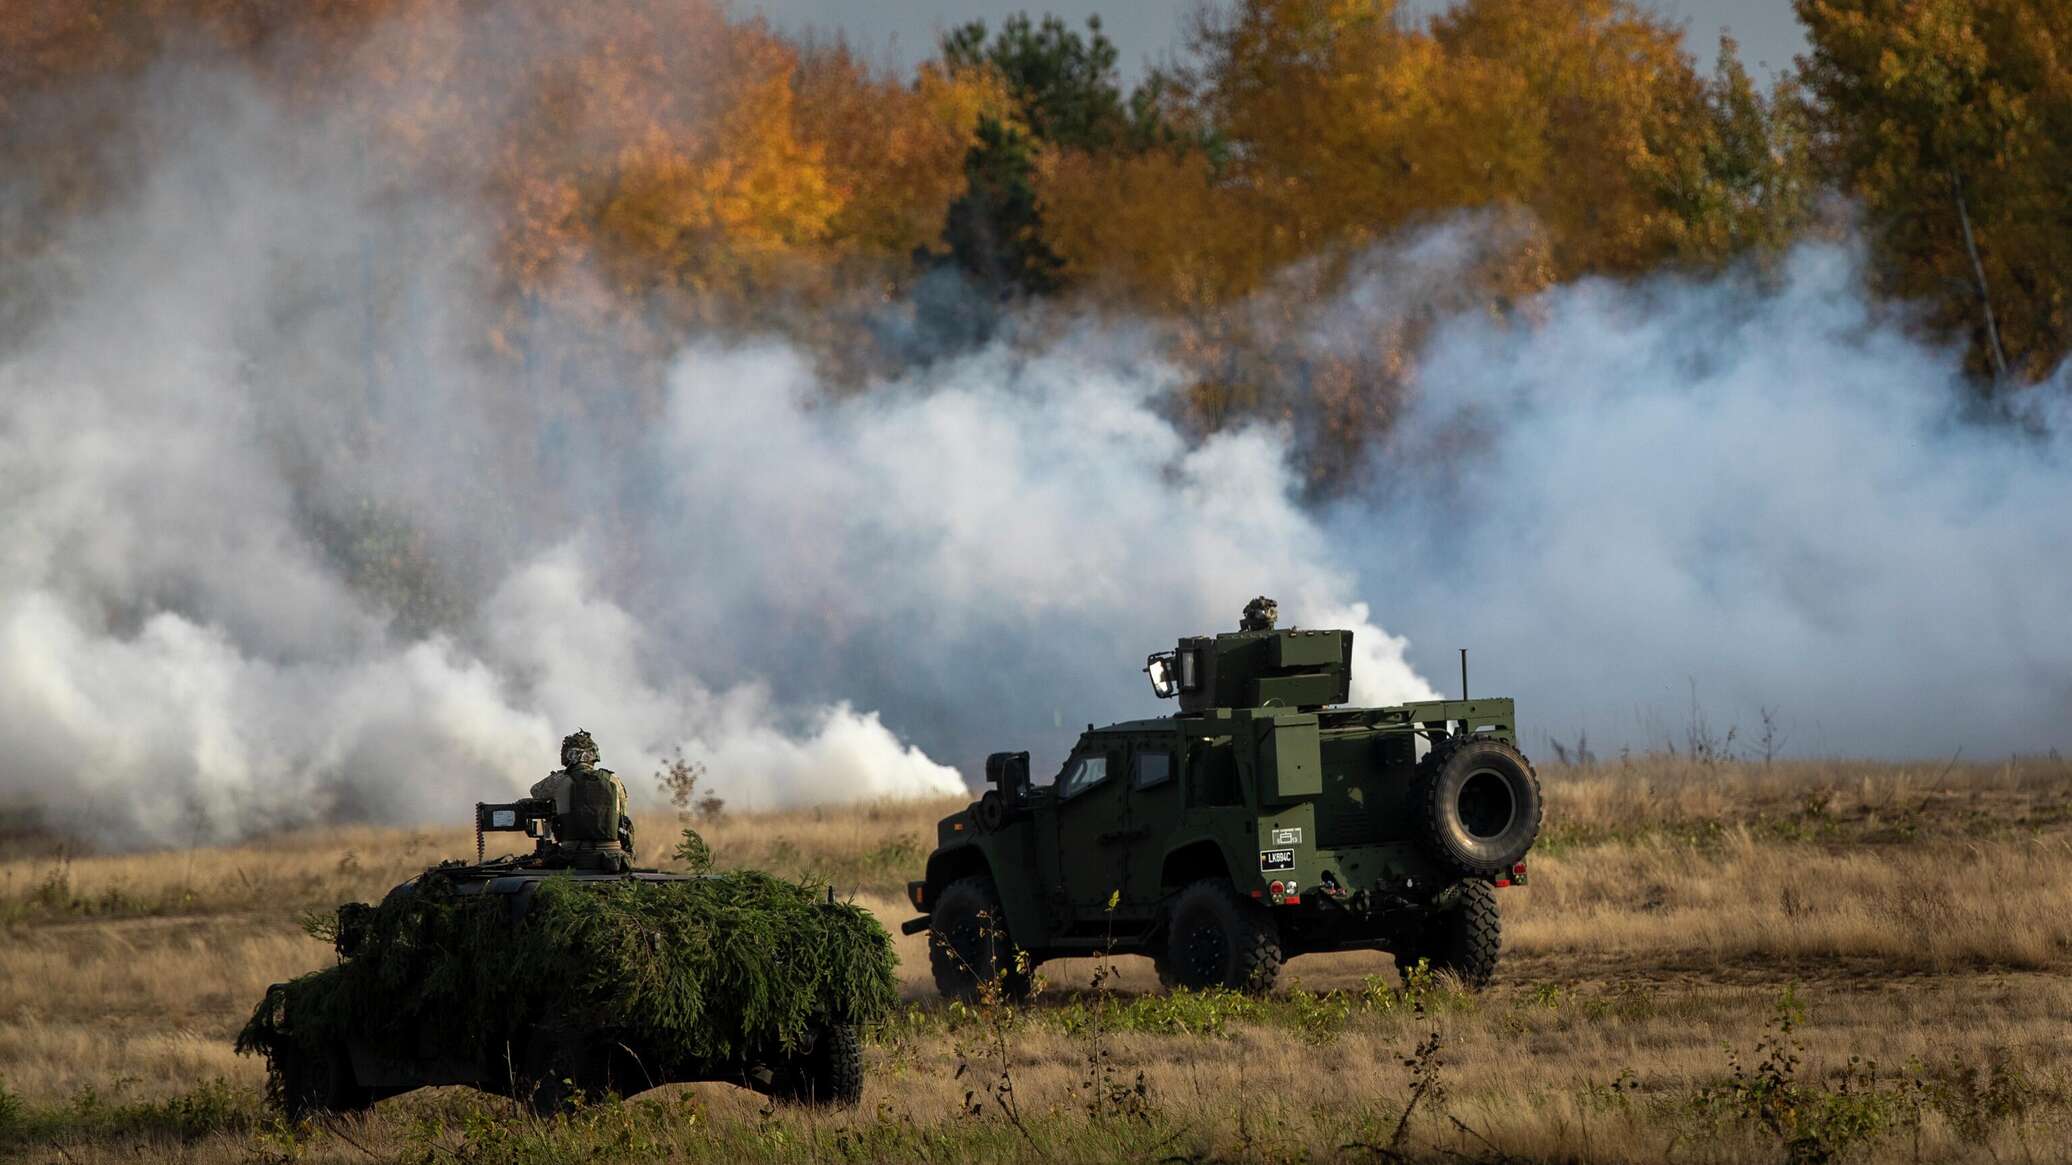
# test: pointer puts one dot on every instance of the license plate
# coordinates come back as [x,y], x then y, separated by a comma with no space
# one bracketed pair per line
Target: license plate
[1276,859]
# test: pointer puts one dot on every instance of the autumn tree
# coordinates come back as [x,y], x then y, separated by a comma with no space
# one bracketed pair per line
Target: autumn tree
[1738,180]
[1951,122]
[895,151]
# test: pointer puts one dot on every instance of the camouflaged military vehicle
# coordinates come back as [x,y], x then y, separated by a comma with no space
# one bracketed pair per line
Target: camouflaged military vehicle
[546,984]
[1263,821]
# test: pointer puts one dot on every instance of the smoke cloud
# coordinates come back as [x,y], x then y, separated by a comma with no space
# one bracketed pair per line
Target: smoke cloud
[278,542]
[1667,508]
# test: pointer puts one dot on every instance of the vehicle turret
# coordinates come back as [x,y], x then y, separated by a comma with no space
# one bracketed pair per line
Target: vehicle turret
[1299,669]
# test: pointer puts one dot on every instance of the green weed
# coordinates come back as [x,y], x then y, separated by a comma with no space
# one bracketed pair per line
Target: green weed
[1207,1013]
[1320,1019]
[216,1106]
[1813,1122]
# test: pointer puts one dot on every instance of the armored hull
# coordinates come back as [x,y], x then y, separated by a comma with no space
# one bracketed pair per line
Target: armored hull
[545,984]
[1259,823]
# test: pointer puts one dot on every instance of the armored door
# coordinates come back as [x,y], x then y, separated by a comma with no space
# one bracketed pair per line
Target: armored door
[1092,810]
[1157,808]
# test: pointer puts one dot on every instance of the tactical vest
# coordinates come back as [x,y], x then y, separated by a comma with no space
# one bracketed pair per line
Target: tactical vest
[593,809]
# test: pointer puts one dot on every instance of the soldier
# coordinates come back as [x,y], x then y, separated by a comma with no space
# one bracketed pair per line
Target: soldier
[1260,615]
[591,828]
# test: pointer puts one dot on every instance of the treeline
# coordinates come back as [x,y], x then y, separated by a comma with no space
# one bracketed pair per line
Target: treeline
[699,168]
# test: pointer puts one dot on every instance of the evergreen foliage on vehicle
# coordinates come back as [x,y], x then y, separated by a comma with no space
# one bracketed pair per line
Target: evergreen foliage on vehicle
[705,968]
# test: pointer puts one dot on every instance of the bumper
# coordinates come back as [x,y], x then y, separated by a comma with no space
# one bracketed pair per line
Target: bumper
[1325,886]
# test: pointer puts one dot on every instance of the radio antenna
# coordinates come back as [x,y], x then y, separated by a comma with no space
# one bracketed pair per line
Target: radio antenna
[1464,675]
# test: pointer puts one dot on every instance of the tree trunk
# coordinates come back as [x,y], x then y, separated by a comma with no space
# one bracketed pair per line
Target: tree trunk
[1978,273]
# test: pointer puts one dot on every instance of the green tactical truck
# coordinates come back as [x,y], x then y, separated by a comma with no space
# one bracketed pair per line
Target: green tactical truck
[1261,822]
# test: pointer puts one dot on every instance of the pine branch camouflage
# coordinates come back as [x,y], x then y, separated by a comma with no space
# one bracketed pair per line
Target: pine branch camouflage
[704,970]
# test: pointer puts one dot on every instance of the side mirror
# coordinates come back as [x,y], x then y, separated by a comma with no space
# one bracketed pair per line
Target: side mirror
[1009,773]
[1165,676]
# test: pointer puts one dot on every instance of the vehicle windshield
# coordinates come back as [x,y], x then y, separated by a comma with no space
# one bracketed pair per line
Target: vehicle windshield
[1085,773]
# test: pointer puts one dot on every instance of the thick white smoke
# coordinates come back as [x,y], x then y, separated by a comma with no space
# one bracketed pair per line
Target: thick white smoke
[1666,508]
[279,542]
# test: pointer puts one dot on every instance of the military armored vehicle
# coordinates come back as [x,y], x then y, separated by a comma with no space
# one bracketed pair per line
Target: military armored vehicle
[545,984]
[1262,821]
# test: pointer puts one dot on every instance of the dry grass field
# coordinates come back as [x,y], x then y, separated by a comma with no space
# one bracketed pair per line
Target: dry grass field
[1802,961]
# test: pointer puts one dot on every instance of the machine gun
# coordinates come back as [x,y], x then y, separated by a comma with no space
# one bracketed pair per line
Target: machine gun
[532,816]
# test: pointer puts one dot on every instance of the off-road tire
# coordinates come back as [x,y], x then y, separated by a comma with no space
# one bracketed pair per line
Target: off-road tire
[1216,938]
[310,1083]
[1462,940]
[969,944]
[831,1074]
[1478,806]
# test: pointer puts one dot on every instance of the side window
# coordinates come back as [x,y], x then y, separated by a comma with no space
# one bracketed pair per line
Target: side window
[1085,772]
[1213,778]
[1151,768]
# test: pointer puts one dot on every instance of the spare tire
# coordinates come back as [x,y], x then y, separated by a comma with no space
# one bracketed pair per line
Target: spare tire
[1478,804]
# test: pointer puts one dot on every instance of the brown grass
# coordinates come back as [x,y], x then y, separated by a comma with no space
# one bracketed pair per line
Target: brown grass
[1921,912]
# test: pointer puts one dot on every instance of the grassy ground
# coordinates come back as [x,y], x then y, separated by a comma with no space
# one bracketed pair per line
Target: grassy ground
[1715,962]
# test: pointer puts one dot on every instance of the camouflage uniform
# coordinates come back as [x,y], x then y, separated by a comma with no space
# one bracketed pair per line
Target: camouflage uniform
[592,829]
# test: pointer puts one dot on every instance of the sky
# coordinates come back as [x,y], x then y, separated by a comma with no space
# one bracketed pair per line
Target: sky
[901,33]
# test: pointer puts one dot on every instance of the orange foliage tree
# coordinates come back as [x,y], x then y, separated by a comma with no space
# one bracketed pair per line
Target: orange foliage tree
[664,163]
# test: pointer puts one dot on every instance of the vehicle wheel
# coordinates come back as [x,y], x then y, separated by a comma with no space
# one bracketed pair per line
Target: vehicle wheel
[831,1074]
[1479,805]
[1462,939]
[312,1083]
[1217,939]
[968,943]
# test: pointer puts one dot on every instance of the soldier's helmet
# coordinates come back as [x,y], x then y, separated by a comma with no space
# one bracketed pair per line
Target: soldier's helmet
[578,749]
[1260,615]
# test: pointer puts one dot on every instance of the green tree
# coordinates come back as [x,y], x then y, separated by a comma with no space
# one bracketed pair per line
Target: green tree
[1951,122]
[995,230]
[1064,85]
[1743,183]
